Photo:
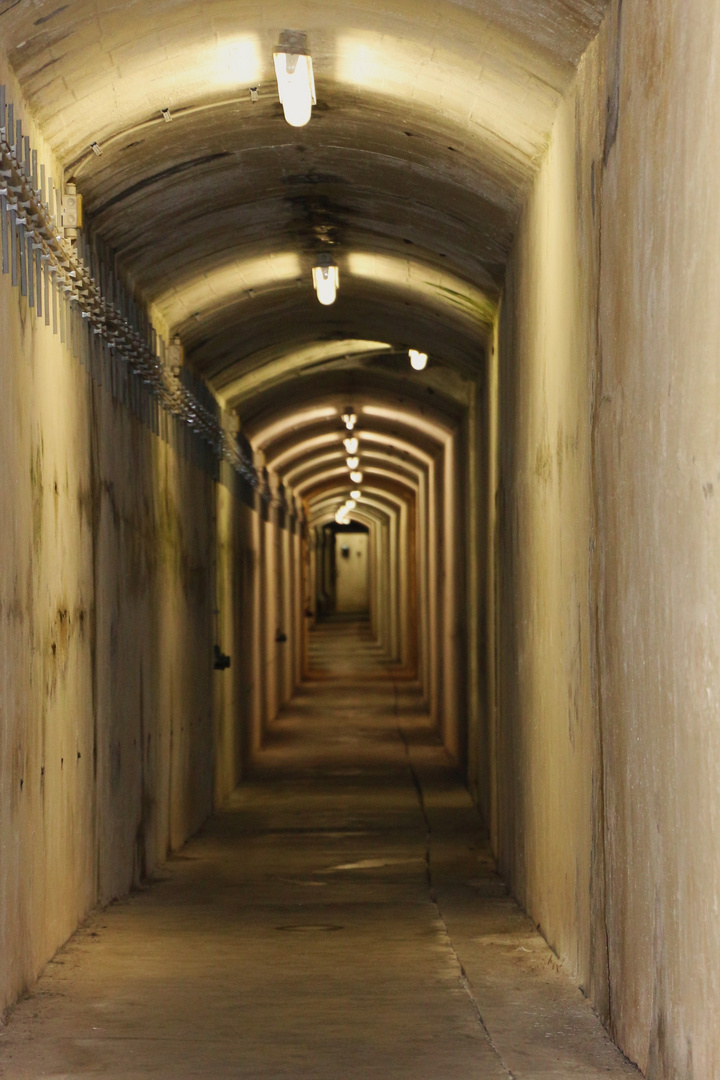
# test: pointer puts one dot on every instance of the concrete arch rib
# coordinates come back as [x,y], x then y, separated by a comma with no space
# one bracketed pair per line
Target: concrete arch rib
[226,348]
[374,508]
[397,408]
[309,466]
[292,459]
[319,479]
[383,519]
[394,578]
[237,290]
[360,49]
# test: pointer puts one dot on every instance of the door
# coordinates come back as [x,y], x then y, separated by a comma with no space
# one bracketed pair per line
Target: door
[351,569]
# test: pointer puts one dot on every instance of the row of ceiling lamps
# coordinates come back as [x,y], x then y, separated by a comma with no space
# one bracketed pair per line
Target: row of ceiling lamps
[296,88]
[326,280]
[352,444]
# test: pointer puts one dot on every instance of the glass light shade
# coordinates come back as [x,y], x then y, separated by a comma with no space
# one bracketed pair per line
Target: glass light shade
[296,86]
[326,280]
[418,360]
[353,462]
[351,445]
[356,477]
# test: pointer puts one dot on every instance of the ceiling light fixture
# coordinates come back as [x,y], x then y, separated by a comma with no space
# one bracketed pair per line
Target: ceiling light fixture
[326,279]
[356,477]
[356,495]
[349,418]
[351,445]
[418,360]
[295,79]
[353,462]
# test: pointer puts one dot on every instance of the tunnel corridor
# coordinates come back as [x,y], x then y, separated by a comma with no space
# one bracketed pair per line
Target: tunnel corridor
[359,520]
[341,914]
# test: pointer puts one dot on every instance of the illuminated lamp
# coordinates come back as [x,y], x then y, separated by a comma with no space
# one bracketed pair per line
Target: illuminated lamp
[356,477]
[353,462]
[356,495]
[326,279]
[351,445]
[418,360]
[295,79]
[349,418]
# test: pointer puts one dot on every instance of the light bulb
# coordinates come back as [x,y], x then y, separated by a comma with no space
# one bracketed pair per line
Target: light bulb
[296,86]
[350,504]
[355,495]
[356,477]
[349,419]
[326,280]
[418,360]
[353,462]
[351,445]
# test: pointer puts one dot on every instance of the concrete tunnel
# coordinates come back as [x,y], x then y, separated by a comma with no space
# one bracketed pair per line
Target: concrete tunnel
[494,761]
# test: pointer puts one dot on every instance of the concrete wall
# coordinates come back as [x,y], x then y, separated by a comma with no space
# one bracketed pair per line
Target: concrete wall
[106,678]
[658,471]
[237,564]
[117,737]
[543,824]
[602,749]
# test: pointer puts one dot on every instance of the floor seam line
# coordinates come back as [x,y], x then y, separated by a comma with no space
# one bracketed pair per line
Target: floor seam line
[464,980]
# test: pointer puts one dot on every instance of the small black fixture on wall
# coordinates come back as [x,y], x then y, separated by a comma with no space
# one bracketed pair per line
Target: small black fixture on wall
[222,662]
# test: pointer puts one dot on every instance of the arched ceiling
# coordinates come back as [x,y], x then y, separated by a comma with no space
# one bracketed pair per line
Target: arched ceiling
[320,399]
[431,118]
[401,436]
[311,467]
[378,502]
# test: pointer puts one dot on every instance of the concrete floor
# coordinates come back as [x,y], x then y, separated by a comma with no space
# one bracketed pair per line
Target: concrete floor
[340,918]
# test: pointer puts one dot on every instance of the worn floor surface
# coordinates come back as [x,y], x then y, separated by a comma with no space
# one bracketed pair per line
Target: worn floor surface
[340,919]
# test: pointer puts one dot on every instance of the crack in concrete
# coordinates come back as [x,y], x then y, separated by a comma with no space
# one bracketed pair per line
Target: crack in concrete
[464,980]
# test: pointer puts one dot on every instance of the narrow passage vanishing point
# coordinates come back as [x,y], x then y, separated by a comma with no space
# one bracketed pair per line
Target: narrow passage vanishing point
[341,918]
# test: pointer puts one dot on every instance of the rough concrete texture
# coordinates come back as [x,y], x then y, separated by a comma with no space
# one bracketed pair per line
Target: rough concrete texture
[117,735]
[545,768]
[219,212]
[658,447]
[460,151]
[105,590]
[607,767]
[339,917]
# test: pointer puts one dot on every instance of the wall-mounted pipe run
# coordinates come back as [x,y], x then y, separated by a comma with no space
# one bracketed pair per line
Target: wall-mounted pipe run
[72,287]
